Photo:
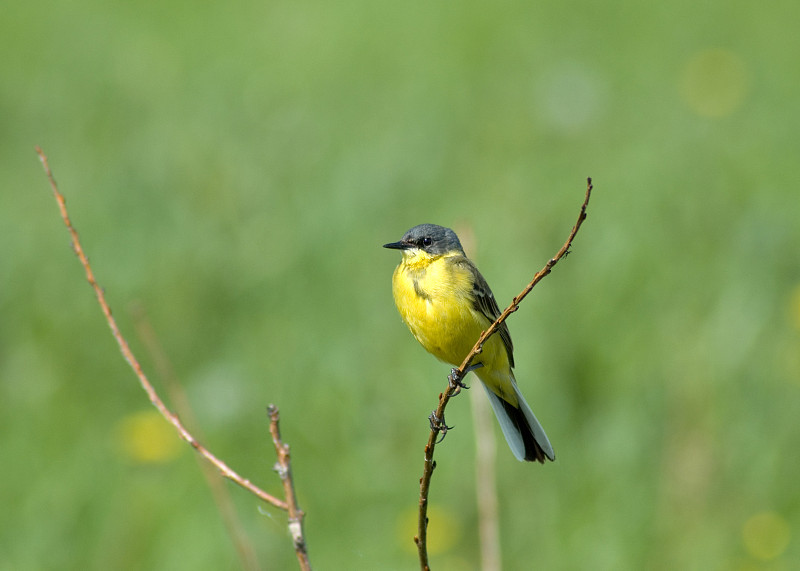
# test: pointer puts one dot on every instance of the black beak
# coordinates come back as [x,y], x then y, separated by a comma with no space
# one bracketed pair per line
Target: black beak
[398,245]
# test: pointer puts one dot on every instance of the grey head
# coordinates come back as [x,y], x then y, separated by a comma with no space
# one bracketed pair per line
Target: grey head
[429,238]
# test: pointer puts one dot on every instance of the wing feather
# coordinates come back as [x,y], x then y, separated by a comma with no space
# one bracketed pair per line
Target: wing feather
[485,304]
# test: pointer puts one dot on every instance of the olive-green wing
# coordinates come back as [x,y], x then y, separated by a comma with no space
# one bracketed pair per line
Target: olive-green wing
[485,303]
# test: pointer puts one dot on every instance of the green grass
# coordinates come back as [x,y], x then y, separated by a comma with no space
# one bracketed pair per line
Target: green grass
[235,169]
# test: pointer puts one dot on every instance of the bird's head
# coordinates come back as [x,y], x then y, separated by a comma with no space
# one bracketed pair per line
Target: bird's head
[427,241]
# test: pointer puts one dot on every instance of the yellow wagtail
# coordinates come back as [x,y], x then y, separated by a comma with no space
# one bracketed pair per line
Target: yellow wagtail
[446,303]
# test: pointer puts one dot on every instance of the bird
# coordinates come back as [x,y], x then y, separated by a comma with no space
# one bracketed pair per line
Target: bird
[446,303]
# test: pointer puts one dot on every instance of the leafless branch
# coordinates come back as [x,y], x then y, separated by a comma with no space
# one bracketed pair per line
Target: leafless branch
[421,539]
[284,469]
[282,450]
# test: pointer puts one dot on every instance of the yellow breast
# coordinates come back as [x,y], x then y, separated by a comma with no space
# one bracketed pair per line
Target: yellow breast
[435,298]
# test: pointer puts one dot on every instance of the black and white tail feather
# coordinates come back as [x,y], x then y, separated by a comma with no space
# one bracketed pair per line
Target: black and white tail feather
[524,434]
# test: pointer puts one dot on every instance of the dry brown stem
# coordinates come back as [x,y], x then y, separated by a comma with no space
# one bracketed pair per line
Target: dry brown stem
[284,469]
[282,450]
[421,539]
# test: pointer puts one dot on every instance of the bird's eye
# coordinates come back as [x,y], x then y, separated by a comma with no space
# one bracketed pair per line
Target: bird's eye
[426,241]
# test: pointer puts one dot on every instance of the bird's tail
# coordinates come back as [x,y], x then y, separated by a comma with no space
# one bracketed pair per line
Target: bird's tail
[522,430]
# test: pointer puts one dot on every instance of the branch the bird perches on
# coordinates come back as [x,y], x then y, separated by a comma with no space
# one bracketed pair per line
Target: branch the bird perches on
[454,385]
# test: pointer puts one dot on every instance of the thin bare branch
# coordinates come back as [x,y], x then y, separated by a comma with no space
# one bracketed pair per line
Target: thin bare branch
[125,349]
[421,539]
[284,469]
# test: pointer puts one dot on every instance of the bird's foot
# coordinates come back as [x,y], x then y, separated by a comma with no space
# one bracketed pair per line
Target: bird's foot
[456,380]
[439,425]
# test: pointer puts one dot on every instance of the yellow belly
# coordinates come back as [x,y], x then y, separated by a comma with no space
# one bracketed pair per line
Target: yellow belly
[436,302]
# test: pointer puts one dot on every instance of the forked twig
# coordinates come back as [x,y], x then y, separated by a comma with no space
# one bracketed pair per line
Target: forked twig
[284,469]
[421,539]
[290,506]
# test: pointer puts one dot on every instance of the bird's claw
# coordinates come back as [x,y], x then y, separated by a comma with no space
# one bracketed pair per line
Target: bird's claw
[439,425]
[455,382]
[455,378]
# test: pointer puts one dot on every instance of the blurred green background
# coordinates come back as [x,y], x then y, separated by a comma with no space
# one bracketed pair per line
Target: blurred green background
[233,169]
